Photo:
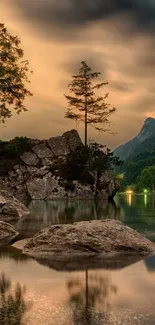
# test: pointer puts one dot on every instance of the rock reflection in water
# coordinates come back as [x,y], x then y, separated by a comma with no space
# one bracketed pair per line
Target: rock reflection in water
[12,302]
[14,254]
[87,301]
[43,214]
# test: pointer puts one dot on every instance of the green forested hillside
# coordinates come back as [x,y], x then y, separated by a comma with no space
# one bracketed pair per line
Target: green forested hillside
[138,154]
[132,169]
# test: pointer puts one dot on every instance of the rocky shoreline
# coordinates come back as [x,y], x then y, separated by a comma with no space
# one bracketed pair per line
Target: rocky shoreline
[31,175]
[86,244]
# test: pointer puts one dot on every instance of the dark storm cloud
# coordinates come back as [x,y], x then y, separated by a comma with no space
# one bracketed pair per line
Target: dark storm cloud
[93,58]
[79,12]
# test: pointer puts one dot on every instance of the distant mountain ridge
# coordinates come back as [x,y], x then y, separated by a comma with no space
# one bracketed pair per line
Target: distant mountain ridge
[145,140]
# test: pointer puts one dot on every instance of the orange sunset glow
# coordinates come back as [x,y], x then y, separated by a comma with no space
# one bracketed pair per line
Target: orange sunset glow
[57,37]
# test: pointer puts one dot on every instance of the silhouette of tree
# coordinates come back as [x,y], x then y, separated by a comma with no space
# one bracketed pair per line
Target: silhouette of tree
[85,299]
[85,106]
[13,75]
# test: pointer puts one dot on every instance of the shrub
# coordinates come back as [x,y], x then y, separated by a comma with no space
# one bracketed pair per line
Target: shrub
[16,147]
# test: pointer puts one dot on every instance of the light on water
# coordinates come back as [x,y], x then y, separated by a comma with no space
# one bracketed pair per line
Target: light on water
[129,198]
[35,293]
[145,199]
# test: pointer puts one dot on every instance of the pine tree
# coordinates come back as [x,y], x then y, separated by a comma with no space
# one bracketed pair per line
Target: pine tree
[13,75]
[85,106]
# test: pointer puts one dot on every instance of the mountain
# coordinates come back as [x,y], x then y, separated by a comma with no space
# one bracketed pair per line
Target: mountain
[144,141]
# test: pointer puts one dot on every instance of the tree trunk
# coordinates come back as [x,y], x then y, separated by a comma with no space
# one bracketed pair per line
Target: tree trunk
[95,184]
[86,130]
[85,122]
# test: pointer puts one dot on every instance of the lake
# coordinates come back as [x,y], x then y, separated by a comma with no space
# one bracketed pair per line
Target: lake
[31,293]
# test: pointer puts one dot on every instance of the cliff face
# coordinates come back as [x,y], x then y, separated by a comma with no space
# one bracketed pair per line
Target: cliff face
[143,141]
[31,175]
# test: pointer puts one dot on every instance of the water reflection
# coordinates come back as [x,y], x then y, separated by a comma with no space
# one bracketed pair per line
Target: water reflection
[145,199]
[136,211]
[90,299]
[43,214]
[150,263]
[12,302]
[13,253]
[129,198]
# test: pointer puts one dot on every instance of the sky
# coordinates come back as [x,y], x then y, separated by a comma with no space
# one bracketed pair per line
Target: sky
[115,37]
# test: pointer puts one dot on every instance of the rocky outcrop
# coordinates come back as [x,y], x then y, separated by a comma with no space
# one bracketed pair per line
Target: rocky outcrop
[58,146]
[42,151]
[30,158]
[109,184]
[11,208]
[7,233]
[71,244]
[42,188]
[73,139]
[34,176]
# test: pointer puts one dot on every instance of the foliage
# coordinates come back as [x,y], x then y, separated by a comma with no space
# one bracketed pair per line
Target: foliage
[11,151]
[90,158]
[85,106]
[17,146]
[13,75]
[132,169]
[146,178]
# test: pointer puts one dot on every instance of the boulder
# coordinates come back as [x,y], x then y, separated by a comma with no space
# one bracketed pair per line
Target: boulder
[30,158]
[80,191]
[58,146]
[41,188]
[42,151]
[109,185]
[73,139]
[74,244]
[7,233]
[10,207]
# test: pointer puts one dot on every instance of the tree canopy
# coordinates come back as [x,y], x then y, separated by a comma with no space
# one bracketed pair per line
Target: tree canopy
[85,105]
[14,72]
[146,178]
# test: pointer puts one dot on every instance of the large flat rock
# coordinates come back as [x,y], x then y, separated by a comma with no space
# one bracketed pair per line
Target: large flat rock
[7,233]
[101,240]
[10,207]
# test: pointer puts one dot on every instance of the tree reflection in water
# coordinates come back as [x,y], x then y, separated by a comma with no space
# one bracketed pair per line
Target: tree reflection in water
[12,302]
[86,300]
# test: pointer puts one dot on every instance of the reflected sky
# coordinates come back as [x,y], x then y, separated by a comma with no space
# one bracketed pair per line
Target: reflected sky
[122,297]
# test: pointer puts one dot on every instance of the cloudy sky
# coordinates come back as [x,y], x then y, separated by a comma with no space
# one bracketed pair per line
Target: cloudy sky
[115,37]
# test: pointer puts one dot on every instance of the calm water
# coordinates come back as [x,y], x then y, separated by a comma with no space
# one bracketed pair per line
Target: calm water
[31,293]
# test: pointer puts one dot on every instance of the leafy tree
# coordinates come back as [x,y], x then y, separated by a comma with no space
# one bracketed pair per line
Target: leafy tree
[134,168]
[93,157]
[146,178]
[85,106]
[87,163]
[13,75]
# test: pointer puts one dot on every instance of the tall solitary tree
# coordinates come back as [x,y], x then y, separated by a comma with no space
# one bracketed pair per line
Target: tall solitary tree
[85,105]
[13,75]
